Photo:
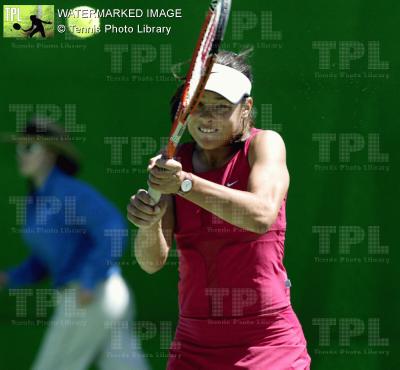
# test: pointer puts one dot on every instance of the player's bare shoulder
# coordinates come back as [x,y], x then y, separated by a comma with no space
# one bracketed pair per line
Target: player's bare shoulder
[267,145]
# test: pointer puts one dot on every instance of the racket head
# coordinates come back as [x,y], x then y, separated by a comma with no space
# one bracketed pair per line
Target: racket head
[204,56]
[225,10]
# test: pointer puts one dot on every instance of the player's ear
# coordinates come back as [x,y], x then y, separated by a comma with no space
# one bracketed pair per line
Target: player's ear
[247,106]
[249,102]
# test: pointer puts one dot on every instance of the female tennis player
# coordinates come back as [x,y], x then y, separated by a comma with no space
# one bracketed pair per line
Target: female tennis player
[223,200]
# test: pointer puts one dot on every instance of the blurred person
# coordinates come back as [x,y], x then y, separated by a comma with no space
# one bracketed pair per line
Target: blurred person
[70,229]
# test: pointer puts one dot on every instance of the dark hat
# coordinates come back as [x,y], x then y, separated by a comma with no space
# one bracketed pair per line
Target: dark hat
[43,131]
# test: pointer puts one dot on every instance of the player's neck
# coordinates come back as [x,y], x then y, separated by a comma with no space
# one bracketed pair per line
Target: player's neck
[214,158]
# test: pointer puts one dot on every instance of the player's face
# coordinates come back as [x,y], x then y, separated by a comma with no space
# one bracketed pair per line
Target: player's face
[216,121]
[31,157]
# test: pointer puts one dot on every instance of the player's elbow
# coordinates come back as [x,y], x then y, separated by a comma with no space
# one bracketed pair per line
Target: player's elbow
[261,226]
[260,223]
[150,264]
[150,268]
[265,219]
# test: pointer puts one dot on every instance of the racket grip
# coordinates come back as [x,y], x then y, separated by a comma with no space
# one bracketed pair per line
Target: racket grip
[154,194]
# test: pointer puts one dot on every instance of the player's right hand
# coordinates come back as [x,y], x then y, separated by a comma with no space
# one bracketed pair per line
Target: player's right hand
[142,211]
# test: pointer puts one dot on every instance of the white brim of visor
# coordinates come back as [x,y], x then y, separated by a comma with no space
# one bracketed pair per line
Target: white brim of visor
[228,82]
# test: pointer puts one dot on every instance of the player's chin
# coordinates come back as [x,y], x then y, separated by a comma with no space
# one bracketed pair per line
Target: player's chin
[209,141]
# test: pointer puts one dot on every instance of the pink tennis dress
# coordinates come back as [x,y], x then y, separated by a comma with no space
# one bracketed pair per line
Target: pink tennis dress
[234,293]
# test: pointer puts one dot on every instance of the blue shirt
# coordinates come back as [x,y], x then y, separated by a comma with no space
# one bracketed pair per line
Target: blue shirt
[74,233]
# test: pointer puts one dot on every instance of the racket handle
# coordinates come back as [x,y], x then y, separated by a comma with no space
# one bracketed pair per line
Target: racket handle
[154,194]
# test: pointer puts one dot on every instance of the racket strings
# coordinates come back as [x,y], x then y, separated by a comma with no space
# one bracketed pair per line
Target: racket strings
[200,58]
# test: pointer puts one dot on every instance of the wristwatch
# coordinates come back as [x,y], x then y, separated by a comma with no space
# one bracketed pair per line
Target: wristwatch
[186,185]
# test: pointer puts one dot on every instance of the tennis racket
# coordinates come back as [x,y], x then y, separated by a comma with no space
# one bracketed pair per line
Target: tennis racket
[203,59]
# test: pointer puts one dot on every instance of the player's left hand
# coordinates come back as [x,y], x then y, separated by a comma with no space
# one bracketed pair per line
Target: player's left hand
[165,175]
[85,297]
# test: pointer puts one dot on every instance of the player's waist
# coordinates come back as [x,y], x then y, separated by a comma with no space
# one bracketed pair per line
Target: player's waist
[227,331]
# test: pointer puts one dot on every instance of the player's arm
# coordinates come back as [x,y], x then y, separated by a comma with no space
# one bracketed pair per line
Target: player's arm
[155,235]
[269,176]
[255,209]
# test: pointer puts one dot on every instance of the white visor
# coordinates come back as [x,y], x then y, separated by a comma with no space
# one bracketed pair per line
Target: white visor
[229,83]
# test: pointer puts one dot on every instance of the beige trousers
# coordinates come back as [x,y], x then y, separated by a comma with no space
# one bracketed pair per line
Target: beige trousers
[99,333]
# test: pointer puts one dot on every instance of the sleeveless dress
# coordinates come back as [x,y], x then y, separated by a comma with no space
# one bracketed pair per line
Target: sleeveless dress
[234,294]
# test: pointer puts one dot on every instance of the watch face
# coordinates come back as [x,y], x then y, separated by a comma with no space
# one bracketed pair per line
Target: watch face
[186,185]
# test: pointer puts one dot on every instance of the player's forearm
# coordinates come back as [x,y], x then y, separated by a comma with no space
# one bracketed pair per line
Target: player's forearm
[151,248]
[240,208]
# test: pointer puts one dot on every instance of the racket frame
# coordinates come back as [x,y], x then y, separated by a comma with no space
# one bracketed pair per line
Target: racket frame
[183,114]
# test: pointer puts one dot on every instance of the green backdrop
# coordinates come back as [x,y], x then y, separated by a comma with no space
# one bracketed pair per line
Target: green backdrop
[326,77]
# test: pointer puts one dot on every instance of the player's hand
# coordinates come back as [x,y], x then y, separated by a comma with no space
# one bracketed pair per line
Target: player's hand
[143,212]
[85,297]
[165,175]
[3,279]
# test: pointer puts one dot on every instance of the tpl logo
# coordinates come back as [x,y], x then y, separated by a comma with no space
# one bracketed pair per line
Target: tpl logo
[27,21]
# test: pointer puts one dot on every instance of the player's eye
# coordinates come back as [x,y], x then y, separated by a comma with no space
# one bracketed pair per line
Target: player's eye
[222,108]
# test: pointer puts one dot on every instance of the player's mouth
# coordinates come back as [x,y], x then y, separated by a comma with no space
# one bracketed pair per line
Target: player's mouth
[205,130]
